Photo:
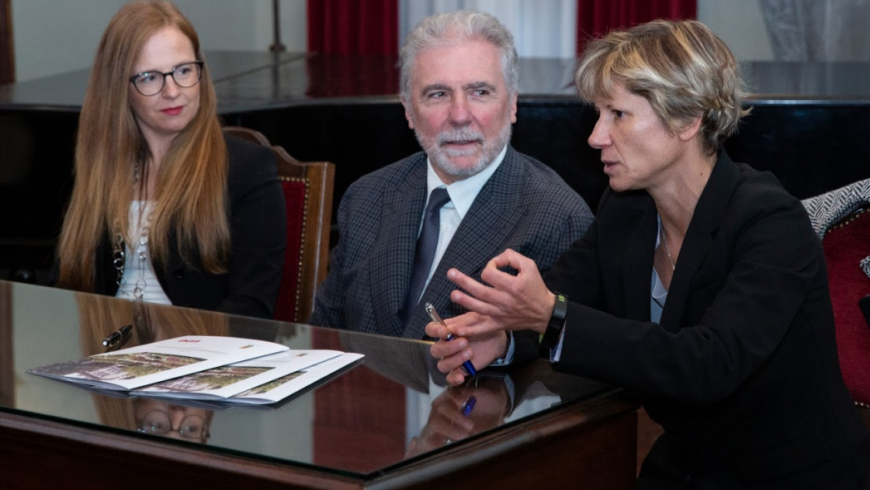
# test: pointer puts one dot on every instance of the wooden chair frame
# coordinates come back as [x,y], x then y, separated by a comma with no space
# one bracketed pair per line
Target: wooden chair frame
[319,178]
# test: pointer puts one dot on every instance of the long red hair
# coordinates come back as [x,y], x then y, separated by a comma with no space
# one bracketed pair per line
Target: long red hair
[190,196]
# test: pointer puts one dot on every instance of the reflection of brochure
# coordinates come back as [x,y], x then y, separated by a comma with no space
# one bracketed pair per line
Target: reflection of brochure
[135,367]
[293,383]
[226,381]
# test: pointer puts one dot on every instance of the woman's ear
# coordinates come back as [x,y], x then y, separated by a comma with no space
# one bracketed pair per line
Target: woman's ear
[690,129]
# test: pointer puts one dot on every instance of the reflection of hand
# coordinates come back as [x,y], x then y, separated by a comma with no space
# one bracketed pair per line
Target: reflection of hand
[451,420]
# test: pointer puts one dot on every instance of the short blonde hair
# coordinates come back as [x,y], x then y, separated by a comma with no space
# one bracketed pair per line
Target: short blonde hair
[680,67]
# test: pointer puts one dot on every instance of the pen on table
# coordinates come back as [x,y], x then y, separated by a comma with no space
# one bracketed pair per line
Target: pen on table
[117,335]
[469,368]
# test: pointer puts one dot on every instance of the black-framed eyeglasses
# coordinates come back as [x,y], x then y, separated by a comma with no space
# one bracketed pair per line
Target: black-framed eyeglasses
[150,83]
[157,422]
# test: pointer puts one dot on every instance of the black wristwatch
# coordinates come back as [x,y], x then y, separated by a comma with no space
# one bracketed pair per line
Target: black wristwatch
[557,322]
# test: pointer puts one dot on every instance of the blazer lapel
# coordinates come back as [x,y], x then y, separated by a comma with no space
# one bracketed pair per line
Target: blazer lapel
[393,262]
[480,237]
[709,213]
[638,260]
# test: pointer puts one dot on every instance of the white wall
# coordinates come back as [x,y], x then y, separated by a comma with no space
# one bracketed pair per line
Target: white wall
[245,25]
[53,36]
[740,24]
[541,28]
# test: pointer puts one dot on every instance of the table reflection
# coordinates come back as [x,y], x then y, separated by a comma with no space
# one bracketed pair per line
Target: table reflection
[99,316]
[463,411]
[161,418]
[392,409]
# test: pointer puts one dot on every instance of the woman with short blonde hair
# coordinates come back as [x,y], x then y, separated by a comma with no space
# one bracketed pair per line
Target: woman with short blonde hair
[681,68]
[700,285]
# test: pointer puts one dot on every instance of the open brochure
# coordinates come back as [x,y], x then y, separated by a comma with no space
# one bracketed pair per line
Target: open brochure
[135,367]
[257,375]
[224,370]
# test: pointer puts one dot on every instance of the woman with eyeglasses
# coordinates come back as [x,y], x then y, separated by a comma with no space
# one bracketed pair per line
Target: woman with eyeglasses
[165,207]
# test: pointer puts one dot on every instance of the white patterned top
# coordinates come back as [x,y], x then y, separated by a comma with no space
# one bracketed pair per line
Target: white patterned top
[139,281]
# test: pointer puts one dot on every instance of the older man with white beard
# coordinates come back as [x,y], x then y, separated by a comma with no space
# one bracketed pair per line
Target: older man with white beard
[400,231]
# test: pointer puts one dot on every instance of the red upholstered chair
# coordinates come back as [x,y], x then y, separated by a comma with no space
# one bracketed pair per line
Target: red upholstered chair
[846,244]
[308,198]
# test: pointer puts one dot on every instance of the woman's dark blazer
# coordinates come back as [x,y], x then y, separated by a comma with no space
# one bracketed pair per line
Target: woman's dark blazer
[742,371]
[257,220]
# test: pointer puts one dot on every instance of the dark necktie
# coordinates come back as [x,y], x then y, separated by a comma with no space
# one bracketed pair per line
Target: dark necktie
[426,245]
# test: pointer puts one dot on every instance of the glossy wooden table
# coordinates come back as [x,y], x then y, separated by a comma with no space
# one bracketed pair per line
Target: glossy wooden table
[385,424]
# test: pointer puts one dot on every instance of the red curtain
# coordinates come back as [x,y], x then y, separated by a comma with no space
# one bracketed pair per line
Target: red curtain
[597,17]
[353,26]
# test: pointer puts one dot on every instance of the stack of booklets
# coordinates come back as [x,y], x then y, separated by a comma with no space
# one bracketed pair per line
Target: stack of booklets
[224,369]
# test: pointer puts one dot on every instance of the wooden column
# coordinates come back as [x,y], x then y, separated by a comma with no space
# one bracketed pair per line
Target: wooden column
[7,48]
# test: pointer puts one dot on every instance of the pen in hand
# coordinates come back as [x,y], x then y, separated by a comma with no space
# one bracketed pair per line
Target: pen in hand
[469,368]
[117,335]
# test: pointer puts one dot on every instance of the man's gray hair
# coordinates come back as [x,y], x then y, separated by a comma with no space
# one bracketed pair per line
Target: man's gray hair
[452,28]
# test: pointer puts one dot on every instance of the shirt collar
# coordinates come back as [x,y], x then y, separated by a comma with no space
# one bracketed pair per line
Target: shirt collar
[463,192]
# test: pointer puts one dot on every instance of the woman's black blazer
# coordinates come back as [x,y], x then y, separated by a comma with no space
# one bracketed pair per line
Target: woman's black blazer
[257,220]
[742,371]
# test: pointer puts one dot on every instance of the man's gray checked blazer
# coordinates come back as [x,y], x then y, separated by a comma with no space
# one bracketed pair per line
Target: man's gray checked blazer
[525,206]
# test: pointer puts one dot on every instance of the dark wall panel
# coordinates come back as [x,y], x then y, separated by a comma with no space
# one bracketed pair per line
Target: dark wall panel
[812,147]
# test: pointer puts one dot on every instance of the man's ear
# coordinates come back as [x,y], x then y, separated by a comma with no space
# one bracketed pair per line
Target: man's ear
[513,107]
[408,111]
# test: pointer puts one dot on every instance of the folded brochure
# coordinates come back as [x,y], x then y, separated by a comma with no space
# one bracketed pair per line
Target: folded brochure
[232,366]
[255,376]
[285,388]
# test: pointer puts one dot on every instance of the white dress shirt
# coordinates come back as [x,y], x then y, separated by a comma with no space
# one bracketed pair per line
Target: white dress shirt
[462,195]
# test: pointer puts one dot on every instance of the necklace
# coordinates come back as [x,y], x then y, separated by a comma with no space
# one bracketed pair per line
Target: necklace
[142,252]
[667,250]
[139,249]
